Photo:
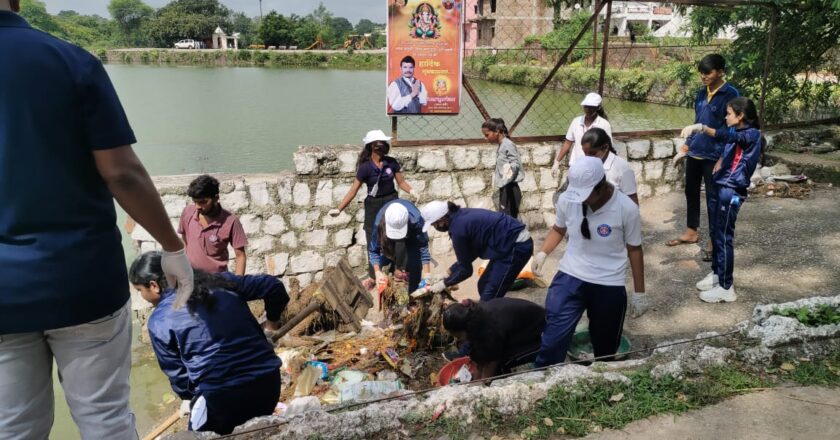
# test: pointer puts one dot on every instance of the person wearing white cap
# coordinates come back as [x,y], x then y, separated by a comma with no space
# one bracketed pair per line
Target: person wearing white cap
[480,233]
[604,228]
[597,143]
[593,116]
[381,174]
[398,240]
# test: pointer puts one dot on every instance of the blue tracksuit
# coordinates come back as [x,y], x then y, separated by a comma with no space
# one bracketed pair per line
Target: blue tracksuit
[220,349]
[479,233]
[740,158]
[417,243]
[711,114]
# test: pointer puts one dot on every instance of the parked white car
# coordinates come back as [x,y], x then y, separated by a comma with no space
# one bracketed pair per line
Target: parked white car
[186,44]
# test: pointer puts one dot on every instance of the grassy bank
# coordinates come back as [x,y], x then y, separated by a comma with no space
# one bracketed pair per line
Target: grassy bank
[247,58]
[599,405]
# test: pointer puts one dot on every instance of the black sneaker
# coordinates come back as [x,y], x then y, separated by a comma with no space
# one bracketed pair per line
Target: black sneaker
[450,356]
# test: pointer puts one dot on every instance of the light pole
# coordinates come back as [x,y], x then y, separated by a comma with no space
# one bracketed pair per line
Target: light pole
[261,10]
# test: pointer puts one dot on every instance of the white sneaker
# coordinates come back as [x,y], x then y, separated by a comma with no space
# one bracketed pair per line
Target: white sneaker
[707,283]
[719,294]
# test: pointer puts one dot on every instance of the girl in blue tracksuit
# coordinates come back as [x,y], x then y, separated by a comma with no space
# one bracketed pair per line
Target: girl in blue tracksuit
[398,239]
[743,146]
[704,150]
[480,233]
[214,352]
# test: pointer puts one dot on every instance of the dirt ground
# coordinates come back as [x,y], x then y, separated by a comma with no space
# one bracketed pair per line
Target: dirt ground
[785,249]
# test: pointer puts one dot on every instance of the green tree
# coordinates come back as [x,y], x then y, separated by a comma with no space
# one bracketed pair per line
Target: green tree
[275,30]
[805,34]
[186,19]
[129,16]
[365,26]
[341,27]
[245,26]
[35,12]
[561,37]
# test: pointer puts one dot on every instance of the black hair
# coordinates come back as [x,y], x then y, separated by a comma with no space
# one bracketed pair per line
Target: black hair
[453,208]
[711,62]
[367,151]
[203,186]
[584,225]
[408,59]
[496,125]
[598,139]
[147,268]
[386,243]
[745,106]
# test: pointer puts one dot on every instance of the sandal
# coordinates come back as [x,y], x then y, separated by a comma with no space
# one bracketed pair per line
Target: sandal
[680,241]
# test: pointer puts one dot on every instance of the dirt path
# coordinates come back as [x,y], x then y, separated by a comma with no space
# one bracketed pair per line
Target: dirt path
[773,414]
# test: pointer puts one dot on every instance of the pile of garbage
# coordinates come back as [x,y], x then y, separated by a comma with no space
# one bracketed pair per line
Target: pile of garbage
[777,181]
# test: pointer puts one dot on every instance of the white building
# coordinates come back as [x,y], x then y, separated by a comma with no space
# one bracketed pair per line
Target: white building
[662,19]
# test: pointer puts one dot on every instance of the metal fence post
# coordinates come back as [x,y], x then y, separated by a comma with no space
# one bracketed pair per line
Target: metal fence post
[605,50]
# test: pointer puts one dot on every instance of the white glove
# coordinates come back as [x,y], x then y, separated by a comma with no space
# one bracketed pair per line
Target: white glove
[555,169]
[690,130]
[507,171]
[681,153]
[638,304]
[333,212]
[538,263]
[179,274]
[184,410]
[438,287]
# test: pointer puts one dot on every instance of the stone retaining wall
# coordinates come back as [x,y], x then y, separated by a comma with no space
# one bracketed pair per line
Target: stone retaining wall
[291,235]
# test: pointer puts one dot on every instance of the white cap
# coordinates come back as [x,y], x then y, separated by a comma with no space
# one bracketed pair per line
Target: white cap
[375,135]
[584,174]
[432,212]
[396,221]
[591,100]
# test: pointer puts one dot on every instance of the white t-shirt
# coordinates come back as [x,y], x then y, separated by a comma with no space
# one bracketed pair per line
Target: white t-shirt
[603,258]
[576,131]
[620,174]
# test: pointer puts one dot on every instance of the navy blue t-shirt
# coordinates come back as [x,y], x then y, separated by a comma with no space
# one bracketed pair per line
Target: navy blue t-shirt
[370,174]
[61,258]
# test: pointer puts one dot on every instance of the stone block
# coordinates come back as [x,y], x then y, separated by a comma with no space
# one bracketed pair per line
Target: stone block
[528,183]
[432,160]
[360,215]
[644,190]
[406,157]
[141,234]
[482,202]
[236,201]
[277,264]
[533,219]
[472,184]
[284,190]
[488,158]
[442,187]
[542,155]
[441,245]
[260,246]
[316,238]
[304,220]
[357,256]
[251,223]
[638,170]
[343,238]
[653,170]
[530,201]
[549,218]
[339,220]
[464,158]
[239,185]
[339,191]
[275,225]
[306,163]
[524,154]
[347,161]
[333,258]
[324,193]
[174,204]
[304,280]
[307,261]
[663,189]
[289,240]
[361,237]
[638,148]
[547,181]
[260,195]
[663,148]
[254,266]
[673,173]
[547,200]
[301,194]
[620,148]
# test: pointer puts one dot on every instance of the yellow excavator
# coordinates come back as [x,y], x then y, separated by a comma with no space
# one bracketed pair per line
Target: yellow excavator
[319,44]
[358,42]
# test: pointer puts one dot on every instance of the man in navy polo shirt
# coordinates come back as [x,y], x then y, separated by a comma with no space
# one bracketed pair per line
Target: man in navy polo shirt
[65,154]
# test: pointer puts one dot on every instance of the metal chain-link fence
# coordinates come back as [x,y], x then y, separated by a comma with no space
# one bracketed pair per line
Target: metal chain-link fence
[649,82]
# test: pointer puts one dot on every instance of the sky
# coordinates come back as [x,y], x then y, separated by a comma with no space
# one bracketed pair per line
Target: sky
[353,10]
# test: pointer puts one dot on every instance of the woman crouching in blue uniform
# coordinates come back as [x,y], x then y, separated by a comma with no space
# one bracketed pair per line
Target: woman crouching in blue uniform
[216,355]
[398,240]
[731,176]
[604,228]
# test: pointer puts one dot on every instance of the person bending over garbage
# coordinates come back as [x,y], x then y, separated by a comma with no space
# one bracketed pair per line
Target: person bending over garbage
[502,333]
[216,355]
[398,240]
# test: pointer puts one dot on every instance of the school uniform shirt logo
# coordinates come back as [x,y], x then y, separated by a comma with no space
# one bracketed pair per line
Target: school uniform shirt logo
[214,238]
[604,230]
[388,171]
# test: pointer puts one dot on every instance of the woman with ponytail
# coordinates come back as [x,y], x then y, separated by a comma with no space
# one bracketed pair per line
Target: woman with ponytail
[597,143]
[214,351]
[500,333]
[605,230]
